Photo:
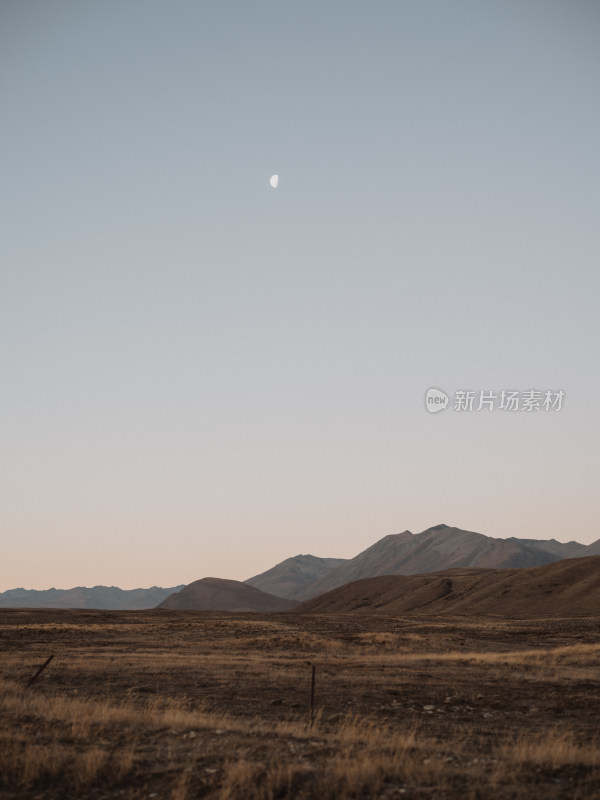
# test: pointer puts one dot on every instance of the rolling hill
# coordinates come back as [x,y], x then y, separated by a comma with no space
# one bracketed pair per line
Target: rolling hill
[218,594]
[570,587]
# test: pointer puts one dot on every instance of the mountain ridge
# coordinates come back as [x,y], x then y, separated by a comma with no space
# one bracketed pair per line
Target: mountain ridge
[438,547]
[302,577]
[109,598]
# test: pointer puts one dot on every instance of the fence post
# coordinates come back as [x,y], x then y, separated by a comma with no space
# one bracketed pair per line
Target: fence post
[39,672]
[312,697]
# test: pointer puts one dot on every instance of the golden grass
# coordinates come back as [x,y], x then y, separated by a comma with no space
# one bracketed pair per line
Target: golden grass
[554,749]
[361,757]
[218,708]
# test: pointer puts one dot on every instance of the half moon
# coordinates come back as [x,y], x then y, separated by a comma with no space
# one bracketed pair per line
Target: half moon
[274,181]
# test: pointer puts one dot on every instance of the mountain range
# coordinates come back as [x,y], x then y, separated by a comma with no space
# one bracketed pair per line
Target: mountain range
[438,548]
[303,577]
[104,597]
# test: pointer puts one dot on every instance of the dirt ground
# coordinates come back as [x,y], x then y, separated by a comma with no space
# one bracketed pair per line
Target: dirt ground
[179,705]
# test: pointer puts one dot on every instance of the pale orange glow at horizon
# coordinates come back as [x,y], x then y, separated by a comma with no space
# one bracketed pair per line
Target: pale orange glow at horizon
[202,376]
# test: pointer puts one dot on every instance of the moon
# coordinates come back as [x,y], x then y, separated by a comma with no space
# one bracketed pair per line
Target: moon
[274,181]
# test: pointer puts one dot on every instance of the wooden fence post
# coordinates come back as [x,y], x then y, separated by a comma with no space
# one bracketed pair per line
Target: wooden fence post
[39,672]
[312,697]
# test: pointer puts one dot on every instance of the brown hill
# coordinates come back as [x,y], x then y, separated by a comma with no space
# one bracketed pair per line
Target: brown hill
[294,576]
[569,587]
[217,594]
[437,548]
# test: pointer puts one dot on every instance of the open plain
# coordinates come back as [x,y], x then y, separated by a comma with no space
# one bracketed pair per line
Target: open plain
[178,705]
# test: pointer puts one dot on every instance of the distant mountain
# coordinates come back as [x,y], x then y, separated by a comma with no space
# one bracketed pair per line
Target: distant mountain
[594,548]
[303,577]
[440,547]
[217,594]
[560,549]
[294,576]
[569,587]
[103,597]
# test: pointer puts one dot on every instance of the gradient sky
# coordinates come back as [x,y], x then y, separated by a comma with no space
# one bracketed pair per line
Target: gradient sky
[202,375]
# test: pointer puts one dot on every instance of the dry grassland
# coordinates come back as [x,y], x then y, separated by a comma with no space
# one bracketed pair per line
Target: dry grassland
[179,705]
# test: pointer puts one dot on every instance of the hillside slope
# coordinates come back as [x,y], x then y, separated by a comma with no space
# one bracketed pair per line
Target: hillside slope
[570,587]
[218,594]
[294,576]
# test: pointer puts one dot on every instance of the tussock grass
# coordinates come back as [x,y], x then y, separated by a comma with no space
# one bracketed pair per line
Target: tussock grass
[205,706]
[555,749]
[25,765]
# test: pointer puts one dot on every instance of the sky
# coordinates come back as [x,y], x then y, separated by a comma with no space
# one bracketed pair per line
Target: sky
[202,375]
